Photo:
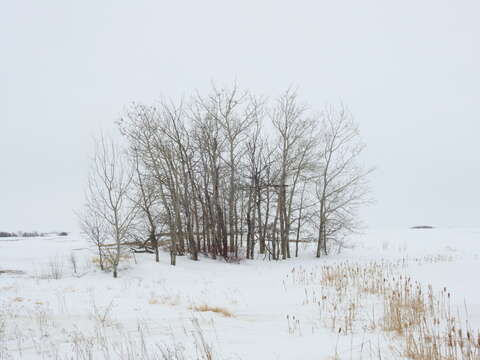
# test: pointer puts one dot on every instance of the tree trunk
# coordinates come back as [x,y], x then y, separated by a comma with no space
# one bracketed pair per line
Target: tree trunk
[321,229]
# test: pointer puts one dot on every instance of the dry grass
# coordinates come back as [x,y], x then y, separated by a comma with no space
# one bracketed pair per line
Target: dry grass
[430,342]
[422,321]
[107,263]
[154,301]
[341,290]
[164,300]
[294,327]
[105,342]
[404,306]
[216,309]
[428,327]
[439,334]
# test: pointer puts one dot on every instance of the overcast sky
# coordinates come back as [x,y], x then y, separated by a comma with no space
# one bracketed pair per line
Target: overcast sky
[408,70]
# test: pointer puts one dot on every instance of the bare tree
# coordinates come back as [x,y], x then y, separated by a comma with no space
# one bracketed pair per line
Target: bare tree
[236,113]
[147,198]
[108,197]
[341,186]
[296,141]
[145,129]
[95,230]
[211,146]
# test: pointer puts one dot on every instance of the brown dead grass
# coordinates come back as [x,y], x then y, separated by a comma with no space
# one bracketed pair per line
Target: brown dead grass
[423,323]
[219,310]
[125,257]
[404,306]
[165,300]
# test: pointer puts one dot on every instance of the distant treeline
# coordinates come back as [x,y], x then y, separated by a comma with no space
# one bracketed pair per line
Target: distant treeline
[7,234]
[4,234]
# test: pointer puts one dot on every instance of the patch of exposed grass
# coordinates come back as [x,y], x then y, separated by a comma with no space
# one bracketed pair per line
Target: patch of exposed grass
[164,300]
[216,309]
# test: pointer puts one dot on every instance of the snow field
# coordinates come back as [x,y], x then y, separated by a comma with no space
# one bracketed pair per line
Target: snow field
[394,294]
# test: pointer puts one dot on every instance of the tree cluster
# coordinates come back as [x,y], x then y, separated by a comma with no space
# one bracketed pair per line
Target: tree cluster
[21,234]
[228,175]
[7,234]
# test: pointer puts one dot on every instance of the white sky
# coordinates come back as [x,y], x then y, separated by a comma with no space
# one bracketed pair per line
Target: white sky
[408,70]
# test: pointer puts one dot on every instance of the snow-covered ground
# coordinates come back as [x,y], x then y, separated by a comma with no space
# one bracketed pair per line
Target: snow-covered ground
[261,309]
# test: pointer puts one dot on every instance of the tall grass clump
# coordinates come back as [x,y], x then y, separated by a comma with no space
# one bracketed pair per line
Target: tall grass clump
[423,324]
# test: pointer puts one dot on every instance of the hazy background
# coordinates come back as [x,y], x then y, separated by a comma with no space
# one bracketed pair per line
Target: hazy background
[408,70]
